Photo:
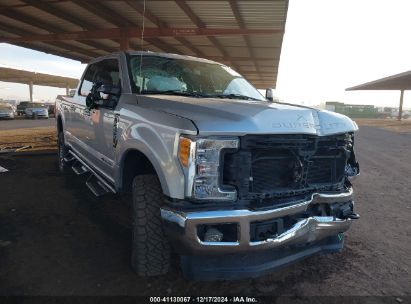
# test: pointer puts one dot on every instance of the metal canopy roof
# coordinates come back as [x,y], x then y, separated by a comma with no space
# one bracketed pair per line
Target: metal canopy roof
[27,77]
[400,81]
[245,34]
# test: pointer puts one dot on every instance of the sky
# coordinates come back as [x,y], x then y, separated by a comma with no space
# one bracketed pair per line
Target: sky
[328,45]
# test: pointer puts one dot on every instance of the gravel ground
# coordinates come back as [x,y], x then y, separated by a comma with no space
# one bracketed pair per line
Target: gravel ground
[56,239]
[33,135]
[22,123]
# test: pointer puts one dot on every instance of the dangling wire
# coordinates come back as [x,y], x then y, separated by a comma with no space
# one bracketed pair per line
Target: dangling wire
[142,43]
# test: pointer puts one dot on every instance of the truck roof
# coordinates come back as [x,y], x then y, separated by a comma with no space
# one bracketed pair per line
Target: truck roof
[170,55]
[159,54]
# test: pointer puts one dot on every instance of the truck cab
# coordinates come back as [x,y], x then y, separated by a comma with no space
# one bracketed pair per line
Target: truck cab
[236,184]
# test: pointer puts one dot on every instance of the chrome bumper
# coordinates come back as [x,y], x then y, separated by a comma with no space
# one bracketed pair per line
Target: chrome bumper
[306,230]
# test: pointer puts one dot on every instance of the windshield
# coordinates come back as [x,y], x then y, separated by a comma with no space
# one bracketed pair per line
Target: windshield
[161,75]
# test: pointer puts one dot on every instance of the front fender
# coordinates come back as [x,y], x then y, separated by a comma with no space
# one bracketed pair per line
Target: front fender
[168,171]
[158,142]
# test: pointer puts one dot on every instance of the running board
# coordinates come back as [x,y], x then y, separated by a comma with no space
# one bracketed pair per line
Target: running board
[79,168]
[69,158]
[96,186]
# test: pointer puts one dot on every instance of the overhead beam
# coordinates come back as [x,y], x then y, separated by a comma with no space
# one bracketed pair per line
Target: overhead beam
[155,20]
[19,32]
[114,18]
[236,11]
[144,11]
[103,12]
[190,13]
[44,49]
[131,32]
[62,14]
[42,25]
[191,47]
[50,9]
[201,25]
[26,80]
[162,46]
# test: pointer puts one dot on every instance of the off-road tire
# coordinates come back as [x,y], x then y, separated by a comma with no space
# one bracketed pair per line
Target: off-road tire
[150,248]
[61,153]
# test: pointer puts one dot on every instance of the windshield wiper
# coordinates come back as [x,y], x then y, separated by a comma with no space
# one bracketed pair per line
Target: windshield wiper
[173,92]
[233,96]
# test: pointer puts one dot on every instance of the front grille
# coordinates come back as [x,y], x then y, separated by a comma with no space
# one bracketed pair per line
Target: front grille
[278,166]
[321,171]
[271,173]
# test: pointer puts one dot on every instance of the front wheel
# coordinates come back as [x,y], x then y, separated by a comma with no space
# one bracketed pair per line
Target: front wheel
[150,247]
[62,153]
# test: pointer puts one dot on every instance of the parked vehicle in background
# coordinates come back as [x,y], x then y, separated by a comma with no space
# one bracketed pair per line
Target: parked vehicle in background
[21,107]
[237,185]
[11,103]
[36,110]
[51,109]
[6,111]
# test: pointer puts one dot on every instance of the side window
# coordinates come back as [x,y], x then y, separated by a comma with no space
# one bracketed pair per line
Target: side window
[108,72]
[88,80]
[105,71]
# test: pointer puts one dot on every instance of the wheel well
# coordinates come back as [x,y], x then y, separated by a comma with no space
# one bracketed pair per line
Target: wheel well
[59,125]
[135,163]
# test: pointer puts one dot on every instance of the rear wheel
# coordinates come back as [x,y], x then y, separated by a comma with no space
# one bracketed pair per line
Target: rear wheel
[150,248]
[62,153]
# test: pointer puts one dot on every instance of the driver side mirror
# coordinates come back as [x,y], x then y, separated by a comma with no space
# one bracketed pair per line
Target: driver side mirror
[107,90]
[100,94]
[269,94]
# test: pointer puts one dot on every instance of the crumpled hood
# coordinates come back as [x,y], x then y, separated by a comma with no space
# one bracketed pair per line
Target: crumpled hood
[239,117]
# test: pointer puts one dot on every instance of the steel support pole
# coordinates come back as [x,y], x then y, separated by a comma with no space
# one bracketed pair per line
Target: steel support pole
[31,90]
[401,102]
[67,90]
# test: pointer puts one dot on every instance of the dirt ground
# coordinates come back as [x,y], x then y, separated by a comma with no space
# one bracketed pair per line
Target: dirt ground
[32,139]
[56,239]
[403,126]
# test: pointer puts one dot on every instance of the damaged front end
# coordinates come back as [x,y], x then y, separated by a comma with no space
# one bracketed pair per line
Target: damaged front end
[294,199]
[274,170]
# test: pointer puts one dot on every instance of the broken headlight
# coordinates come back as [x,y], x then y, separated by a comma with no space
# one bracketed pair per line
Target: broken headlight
[200,159]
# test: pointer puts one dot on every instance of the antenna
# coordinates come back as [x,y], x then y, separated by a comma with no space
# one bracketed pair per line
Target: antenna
[142,41]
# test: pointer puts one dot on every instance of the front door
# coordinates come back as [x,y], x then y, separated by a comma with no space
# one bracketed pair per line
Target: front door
[94,127]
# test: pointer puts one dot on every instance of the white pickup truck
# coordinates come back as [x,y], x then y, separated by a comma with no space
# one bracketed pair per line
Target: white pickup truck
[236,184]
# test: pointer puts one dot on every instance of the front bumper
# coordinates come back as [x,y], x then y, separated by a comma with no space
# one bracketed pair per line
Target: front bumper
[183,226]
[236,266]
